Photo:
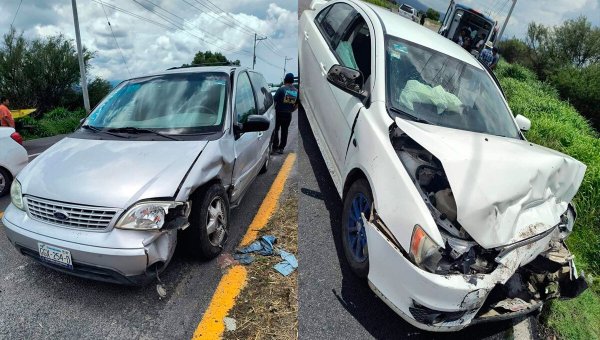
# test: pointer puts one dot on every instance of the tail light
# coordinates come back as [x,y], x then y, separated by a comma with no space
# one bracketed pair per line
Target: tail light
[17,137]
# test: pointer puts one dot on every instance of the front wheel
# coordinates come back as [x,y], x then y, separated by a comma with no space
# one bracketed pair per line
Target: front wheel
[209,222]
[357,201]
[265,166]
[5,182]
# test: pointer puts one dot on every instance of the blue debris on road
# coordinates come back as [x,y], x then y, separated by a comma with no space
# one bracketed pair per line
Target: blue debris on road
[265,246]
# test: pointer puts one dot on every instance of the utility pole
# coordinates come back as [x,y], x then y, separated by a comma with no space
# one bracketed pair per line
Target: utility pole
[256,40]
[86,98]
[514,2]
[285,64]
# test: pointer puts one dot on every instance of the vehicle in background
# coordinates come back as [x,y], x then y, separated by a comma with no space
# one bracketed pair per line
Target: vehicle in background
[449,213]
[161,155]
[13,157]
[460,17]
[408,12]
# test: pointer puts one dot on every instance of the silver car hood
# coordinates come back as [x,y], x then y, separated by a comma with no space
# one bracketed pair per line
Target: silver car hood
[505,189]
[109,173]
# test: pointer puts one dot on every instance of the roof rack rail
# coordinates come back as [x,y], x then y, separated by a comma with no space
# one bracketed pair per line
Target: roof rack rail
[220,63]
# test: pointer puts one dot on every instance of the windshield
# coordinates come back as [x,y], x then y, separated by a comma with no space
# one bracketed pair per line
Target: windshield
[172,103]
[444,91]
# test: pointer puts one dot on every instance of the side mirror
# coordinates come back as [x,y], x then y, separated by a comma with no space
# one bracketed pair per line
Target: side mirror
[523,123]
[255,123]
[347,79]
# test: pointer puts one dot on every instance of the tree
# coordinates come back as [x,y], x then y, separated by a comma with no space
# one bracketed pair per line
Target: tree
[432,14]
[577,42]
[98,89]
[40,72]
[208,58]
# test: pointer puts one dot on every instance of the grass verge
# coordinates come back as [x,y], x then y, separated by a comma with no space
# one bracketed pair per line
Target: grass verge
[557,125]
[267,308]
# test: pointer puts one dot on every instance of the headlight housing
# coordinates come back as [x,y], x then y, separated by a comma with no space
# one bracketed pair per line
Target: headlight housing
[567,221]
[146,215]
[424,251]
[16,195]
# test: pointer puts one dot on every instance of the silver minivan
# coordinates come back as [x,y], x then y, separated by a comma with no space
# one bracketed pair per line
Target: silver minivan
[161,155]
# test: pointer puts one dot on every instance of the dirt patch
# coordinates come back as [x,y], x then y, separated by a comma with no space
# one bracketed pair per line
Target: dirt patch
[268,307]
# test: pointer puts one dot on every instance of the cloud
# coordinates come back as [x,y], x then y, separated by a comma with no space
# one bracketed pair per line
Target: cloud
[188,26]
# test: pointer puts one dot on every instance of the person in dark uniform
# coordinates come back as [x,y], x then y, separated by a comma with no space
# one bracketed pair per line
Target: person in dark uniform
[286,102]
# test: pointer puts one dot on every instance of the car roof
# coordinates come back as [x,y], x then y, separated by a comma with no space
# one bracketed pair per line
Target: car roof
[195,69]
[397,26]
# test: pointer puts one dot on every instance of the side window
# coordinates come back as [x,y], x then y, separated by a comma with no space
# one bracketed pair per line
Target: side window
[263,95]
[336,19]
[244,98]
[354,48]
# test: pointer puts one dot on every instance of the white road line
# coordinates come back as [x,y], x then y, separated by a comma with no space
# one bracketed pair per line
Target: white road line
[35,154]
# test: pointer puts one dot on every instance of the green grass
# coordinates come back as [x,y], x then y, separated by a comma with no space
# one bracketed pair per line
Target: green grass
[557,125]
[56,122]
[383,3]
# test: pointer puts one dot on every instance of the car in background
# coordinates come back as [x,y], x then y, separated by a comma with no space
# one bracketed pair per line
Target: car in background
[408,12]
[13,157]
[449,213]
[165,154]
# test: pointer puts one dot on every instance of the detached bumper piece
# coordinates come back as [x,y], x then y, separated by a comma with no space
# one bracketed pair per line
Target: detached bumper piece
[92,272]
[550,275]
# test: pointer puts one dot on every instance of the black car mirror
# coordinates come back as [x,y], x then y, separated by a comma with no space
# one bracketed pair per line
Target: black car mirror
[347,79]
[255,123]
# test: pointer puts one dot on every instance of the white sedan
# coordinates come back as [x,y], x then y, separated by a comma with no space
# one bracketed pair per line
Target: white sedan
[448,211]
[13,157]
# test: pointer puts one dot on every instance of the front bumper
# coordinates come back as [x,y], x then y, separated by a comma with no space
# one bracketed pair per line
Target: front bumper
[445,303]
[118,256]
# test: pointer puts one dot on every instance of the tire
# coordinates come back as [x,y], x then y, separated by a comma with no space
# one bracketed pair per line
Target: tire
[5,182]
[197,239]
[265,166]
[354,239]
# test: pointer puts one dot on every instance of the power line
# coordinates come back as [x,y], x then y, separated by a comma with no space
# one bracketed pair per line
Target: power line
[17,12]
[113,35]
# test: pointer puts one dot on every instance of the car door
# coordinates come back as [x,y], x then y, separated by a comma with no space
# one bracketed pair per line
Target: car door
[247,144]
[332,39]
[264,101]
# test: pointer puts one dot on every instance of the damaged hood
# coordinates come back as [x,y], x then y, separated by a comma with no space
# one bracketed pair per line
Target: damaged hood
[109,173]
[505,189]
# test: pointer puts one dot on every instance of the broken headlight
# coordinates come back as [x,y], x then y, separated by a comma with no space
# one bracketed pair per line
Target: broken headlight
[567,221]
[424,251]
[146,215]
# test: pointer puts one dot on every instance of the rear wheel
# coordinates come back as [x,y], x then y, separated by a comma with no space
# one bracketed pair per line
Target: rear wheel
[357,201]
[209,222]
[5,182]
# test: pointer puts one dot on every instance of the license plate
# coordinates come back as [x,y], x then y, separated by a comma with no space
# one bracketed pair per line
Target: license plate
[55,255]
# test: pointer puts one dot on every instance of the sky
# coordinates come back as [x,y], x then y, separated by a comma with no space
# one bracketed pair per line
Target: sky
[179,29]
[547,12]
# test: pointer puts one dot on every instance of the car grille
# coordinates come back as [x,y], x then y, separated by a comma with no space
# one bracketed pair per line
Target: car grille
[78,216]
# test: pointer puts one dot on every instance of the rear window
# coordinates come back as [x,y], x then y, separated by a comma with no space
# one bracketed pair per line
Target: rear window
[264,99]
[406,8]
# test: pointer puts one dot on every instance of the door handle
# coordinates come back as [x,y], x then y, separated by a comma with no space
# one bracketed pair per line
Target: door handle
[305,35]
[323,69]
[260,134]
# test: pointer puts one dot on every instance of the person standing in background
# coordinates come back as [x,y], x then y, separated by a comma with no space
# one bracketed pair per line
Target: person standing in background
[286,102]
[6,118]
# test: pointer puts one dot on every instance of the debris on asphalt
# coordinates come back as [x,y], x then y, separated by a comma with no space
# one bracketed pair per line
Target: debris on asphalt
[288,265]
[265,246]
[161,290]
[225,260]
[230,324]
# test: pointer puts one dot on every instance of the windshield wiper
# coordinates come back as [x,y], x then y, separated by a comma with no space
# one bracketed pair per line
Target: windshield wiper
[131,129]
[96,129]
[411,117]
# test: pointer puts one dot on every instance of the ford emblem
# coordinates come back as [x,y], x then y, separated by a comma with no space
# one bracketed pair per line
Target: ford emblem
[59,215]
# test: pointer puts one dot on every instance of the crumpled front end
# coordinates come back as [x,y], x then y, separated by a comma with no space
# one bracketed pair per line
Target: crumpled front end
[520,282]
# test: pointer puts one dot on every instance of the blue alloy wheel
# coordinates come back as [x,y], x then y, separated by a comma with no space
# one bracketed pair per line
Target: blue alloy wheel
[356,234]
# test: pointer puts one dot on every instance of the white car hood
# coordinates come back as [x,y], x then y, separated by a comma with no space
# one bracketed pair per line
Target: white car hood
[109,173]
[505,189]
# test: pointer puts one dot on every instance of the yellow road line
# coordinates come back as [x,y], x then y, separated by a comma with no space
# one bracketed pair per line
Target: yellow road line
[212,326]
[270,202]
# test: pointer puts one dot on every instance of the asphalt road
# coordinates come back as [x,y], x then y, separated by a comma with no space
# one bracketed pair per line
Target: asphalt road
[333,302]
[37,302]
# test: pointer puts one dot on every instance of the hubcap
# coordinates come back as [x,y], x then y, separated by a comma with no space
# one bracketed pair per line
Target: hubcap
[216,222]
[357,237]
[2,182]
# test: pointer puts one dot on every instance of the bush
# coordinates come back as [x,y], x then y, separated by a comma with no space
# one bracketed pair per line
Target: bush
[56,122]
[581,87]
